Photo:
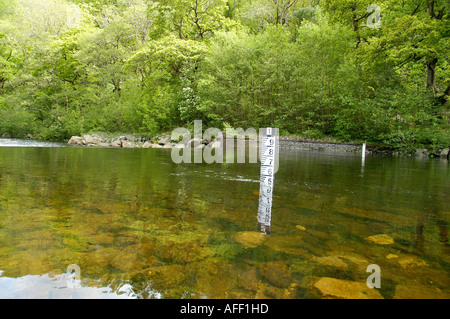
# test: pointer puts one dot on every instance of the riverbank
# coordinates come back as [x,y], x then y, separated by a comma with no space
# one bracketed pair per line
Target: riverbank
[286,142]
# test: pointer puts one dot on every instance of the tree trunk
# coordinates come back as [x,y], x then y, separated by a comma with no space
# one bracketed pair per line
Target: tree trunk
[431,81]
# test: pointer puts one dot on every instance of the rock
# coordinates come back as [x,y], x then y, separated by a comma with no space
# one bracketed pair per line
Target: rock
[178,146]
[130,138]
[163,140]
[411,262]
[247,279]
[6,135]
[167,276]
[185,252]
[116,143]
[331,288]
[76,140]
[421,152]
[213,278]
[291,245]
[128,144]
[266,291]
[344,262]
[156,146]
[92,140]
[332,261]
[194,142]
[381,239]
[127,259]
[167,146]
[147,144]
[444,152]
[419,292]
[250,239]
[391,256]
[277,273]
[103,144]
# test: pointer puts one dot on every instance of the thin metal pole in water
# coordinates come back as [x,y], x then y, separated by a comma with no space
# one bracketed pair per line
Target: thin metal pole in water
[363,156]
[364,149]
[268,169]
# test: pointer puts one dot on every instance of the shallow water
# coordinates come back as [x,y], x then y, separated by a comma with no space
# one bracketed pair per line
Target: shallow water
[140,226]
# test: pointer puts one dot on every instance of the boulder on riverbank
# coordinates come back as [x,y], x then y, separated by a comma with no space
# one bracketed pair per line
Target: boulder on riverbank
[130,141]
[166,141]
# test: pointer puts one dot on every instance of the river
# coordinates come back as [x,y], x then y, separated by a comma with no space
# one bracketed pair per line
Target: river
[138,225]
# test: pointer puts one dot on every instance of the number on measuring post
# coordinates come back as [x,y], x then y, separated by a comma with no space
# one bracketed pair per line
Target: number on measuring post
[268,169]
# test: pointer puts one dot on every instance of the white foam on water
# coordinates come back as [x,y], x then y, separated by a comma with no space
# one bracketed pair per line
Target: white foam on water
[14,142]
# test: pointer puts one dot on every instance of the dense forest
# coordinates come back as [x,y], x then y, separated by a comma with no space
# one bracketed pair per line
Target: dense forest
[344,69]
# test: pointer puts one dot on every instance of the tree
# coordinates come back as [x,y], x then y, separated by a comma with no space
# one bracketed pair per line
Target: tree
[195,19]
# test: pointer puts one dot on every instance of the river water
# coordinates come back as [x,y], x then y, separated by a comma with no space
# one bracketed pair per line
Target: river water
[138,225]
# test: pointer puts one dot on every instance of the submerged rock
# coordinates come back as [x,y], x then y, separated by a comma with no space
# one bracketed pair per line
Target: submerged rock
[343,262]
[250,239]
[381,239]
[420,292]
[332,261]
[411,262]
[391,256]
[277,273]
[331,288]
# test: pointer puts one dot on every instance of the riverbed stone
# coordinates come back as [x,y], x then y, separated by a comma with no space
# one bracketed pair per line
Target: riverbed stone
[419,292]
[332,288]
[167,277]
[277,273]
[250,239]
[411,262]
[421,152]
[391,256]
[156,146]
[381,239]
[332,261]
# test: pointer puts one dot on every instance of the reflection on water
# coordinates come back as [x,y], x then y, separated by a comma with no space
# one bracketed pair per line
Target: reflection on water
[56,287]
[141,226]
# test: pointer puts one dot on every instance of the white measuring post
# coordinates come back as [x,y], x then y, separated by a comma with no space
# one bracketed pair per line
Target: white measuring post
[268,169]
